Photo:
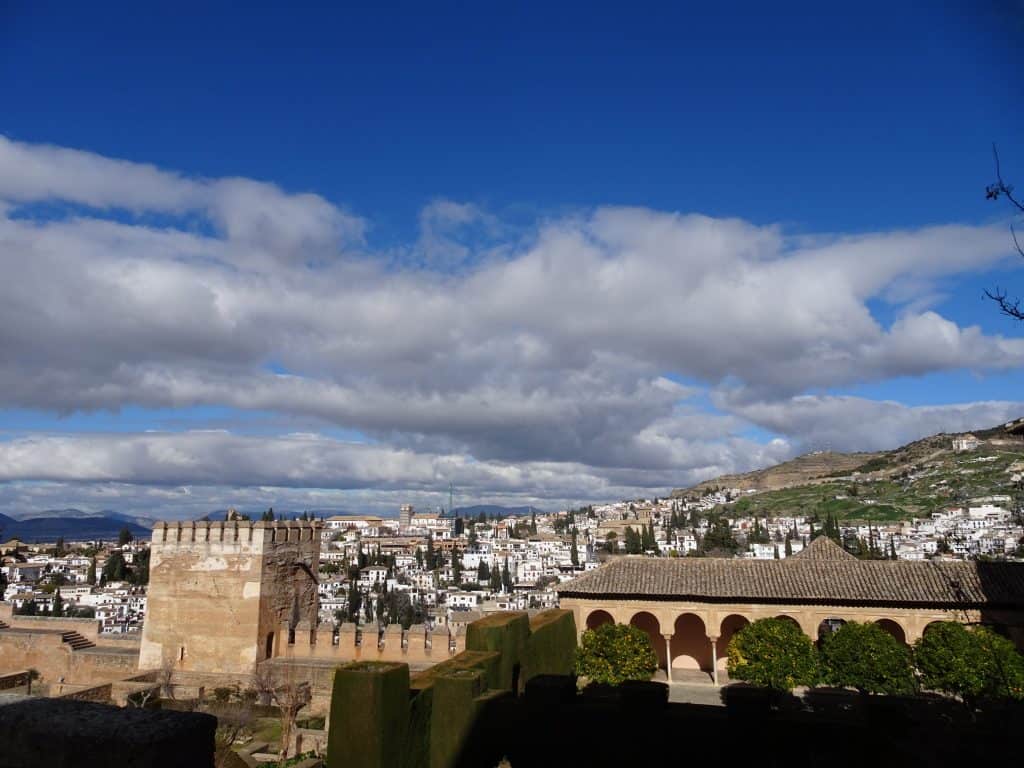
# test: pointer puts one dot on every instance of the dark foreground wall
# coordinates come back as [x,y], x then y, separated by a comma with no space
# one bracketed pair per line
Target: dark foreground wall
[59,733]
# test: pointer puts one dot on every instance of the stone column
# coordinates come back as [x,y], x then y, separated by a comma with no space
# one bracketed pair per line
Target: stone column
[714,658]
[668,654]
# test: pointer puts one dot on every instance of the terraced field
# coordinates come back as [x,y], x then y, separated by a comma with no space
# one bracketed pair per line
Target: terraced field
[912,481]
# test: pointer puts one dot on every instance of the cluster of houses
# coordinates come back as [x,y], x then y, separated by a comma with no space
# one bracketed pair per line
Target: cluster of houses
[46,580]
[448,570]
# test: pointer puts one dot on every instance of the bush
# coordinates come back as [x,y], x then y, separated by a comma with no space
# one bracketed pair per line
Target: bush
[773,653]
[866,657]
[972,663]
[222,695]
[614,653]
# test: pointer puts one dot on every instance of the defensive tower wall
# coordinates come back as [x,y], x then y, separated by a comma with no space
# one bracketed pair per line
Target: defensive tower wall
[219,592]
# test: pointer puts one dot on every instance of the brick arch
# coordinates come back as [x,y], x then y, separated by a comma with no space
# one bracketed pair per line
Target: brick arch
[727,629]
[596,618]
[690,646]
[649,623]
[894,628]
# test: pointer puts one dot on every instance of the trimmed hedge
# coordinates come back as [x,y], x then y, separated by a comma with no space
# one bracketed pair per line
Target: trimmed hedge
[369,715]
[454,712]
[503,632]
[551,646]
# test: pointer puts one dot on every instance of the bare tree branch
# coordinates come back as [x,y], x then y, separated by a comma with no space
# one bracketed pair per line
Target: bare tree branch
[1008,306]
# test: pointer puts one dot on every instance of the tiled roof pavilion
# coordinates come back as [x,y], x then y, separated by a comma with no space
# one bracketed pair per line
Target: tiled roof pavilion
[822,574]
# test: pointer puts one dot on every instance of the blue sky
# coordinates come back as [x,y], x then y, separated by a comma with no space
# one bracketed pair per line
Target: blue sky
[379,180]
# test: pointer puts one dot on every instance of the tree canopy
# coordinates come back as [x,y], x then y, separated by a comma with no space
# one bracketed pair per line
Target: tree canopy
[866,657]
[773,653]
[972,663]
[614,653]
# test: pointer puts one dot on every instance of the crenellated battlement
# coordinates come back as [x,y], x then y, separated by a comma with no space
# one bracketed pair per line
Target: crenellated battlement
[218,591]
[235,531]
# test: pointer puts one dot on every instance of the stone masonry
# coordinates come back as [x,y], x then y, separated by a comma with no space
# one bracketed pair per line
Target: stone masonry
[222,595]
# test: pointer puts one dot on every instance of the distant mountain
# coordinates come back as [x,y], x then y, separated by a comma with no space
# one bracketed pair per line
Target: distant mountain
[495,510]
[81,514]
[89,528]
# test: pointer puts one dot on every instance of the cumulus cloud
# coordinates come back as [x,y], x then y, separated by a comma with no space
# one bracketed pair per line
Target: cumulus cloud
[167,467]
[858,424]
[559,347]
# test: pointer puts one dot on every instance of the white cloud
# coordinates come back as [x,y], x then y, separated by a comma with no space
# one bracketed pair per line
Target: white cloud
[854,423]
[559,347]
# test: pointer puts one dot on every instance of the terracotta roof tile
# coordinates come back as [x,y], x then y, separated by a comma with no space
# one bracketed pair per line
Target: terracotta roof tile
[809,579]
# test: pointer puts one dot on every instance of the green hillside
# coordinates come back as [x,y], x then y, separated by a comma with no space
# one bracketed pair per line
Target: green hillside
[912,481]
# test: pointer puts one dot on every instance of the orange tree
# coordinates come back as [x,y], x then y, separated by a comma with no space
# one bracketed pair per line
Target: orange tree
[866,657]
[972,663]
[614,653]
[773,653]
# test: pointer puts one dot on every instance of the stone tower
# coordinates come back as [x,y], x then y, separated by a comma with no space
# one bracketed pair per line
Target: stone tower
[223,596]
[404,517]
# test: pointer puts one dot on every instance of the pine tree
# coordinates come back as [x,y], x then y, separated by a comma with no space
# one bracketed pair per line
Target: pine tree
[430,561]
[496,580]
[788,549]
[483,573]
[776,551]
[506,578]
[533,523]
[91,576]
[574,553]
[58,604]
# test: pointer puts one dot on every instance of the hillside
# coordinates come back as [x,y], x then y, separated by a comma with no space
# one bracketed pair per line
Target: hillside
[909,481]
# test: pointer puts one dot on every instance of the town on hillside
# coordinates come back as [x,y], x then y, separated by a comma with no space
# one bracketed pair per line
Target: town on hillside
[962,498]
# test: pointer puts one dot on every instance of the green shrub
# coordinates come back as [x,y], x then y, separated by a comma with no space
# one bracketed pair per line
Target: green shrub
[866,657]
[972,663]
[506,633]
[773,653]
[551,646]
[614,653]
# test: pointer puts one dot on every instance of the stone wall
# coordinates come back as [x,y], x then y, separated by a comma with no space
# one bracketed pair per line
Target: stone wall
[87,628]
[220,592]
[45,651]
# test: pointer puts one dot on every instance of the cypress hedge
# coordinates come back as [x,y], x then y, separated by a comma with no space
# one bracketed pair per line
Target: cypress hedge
[505,633]
[551,646]
[369,714]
